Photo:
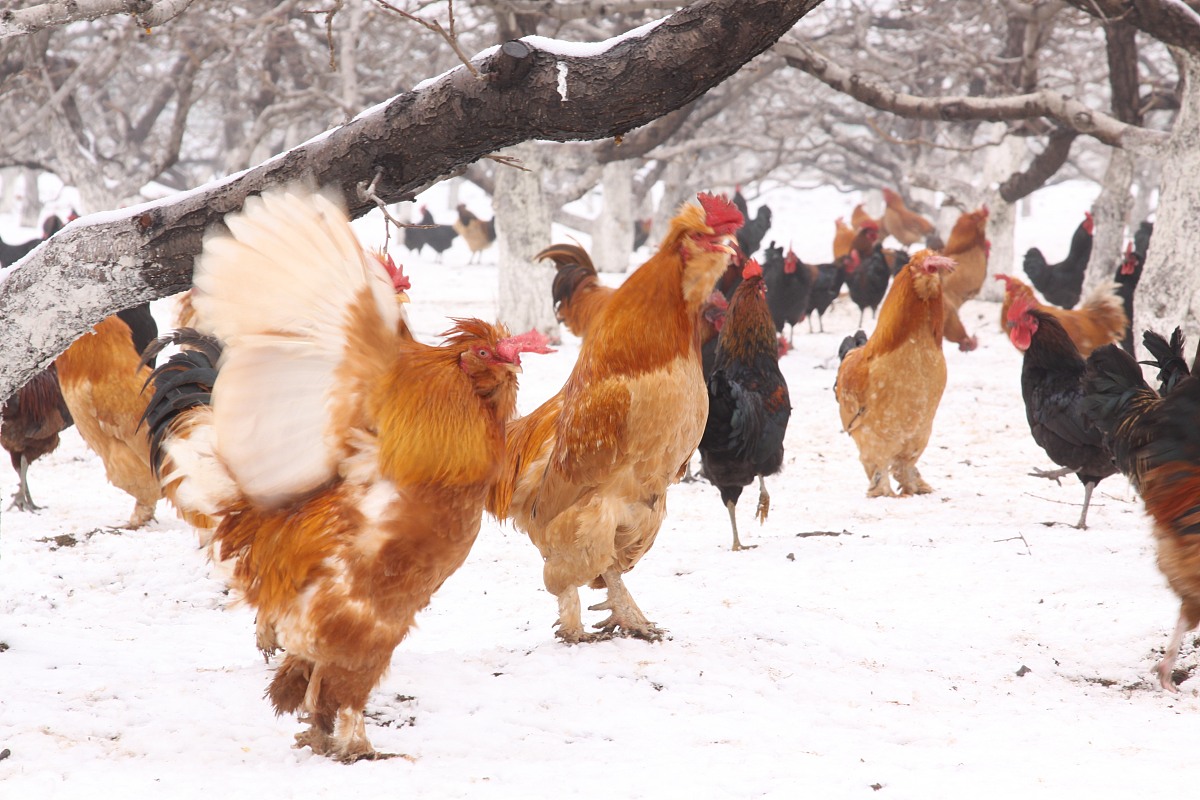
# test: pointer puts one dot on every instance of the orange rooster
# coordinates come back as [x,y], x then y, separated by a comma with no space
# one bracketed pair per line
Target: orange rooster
[577,291]
[1099,320]
[586,473]
[478,234]
[859,217]
[968,246]
[101,380]
[843,235]
[898,221]
[347,464]
[888,389]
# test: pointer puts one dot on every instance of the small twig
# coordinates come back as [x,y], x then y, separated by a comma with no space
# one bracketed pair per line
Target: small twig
[510,161]
[1020,536]
[806,534]
[433,25]
[330,13]
[369,194]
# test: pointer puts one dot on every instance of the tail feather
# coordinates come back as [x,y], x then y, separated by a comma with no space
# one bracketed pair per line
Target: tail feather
[577,292]
[1119,402]
[1035,265]
[851,343]
[1106,308]
[1168,357]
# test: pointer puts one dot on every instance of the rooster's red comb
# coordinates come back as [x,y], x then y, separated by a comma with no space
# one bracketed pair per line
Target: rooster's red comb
[400,281]
[533,341]
[720,214]
[751,270]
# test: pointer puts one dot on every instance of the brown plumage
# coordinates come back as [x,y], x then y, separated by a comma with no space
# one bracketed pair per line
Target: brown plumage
[478,234]
[888,390]
[102,382]
[347,464]
[1099,320]
[30,422]
[586,473]
[898,221]
[968,245]
[577,292]
[859,217]
[843,235]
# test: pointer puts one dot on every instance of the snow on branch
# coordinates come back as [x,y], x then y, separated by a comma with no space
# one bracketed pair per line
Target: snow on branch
[1066,111]
[104,262]
[149,14]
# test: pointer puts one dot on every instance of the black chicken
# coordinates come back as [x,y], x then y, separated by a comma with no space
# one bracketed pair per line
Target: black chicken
[436,237]
[1062,283]
[825,289]
[751,234]
[1052,388]
[789,283]
[748,404]
[1129,272]
[867,279]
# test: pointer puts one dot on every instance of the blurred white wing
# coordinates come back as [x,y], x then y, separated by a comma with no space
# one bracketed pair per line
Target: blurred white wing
[287,288]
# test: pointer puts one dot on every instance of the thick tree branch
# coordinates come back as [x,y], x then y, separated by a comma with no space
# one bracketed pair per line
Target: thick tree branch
[1172,22]
[1066,111]
[1042,168]
[540,90]
[149,14]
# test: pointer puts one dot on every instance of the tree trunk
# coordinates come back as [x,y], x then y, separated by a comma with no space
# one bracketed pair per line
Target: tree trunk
[1111,213]
[1001,162]
[1167,294]
[677,188]
[612,239]
[31,199]
[523,230]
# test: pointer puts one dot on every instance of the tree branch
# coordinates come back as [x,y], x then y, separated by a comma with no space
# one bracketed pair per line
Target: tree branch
[1068,112]
[1172,22]
[108,261]
[149,14]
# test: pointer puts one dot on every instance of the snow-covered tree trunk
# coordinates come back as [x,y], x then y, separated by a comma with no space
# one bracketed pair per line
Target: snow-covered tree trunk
[1168,293]
[1146,175]
[1001,162]
[523,230]
[612,238]
[1111,212]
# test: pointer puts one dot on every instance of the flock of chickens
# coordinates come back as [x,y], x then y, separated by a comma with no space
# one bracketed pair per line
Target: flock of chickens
[339,468]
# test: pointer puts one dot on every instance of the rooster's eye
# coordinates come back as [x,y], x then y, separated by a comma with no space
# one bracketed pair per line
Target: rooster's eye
[483,352]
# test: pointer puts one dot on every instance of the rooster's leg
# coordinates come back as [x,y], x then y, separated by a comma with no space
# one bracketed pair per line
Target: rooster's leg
[1053,474]
[570,620]
[1189,616]
[737,543]
[142,513]
[21,501]
[625,615]
[910,479]
[1087,499]
[880,486]
[764,501]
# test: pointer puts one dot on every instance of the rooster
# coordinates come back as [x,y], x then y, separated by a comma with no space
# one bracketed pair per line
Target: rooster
[888,390]
[478,234]
[437,238]
[12,253]
[968,245]
[101,381]
[867,279]
[843,235]
[901,223]
[577,291]
[1062,283]
[30,422]
[586,474]
[346,462]
[825,289]
[859,217]
[1052,387]
[1099,320]
[748,403]
[1129,272]
[1156,443]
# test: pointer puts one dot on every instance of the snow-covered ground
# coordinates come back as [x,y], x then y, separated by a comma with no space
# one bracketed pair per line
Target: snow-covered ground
[968,643]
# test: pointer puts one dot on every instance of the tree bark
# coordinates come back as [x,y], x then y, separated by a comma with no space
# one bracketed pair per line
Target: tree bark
[1168,293]
[523,225]
[109,261]
[148,13]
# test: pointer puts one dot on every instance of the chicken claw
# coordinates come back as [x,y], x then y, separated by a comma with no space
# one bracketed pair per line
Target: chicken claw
[626,618]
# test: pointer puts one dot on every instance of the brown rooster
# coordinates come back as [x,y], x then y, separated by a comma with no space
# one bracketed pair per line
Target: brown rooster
[888,389]
[901,223]
[347,463]
[586,474]
[1100,319]
[30,422]
[968,246]
[478,234]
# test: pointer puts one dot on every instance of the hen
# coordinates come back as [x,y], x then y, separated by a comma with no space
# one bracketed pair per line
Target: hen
[478,234]
[30,422]
[752,232]
[101,381]
[347,463]
[867,279]
[901,223]
[825,289]
[843,235]
[1129,272]
[577,291]
[1062,283]
[586,473]
[748,403]
[438,238]
[1099,320]
[788,282]
[1157,443]
[888,390]
[1052,387]
[968,246]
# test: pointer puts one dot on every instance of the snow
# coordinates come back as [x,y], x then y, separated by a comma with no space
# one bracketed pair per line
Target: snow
[968,643]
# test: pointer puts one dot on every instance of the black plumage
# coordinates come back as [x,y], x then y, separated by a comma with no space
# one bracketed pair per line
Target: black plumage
[438,238]
[1129,272]
[789,283]
[184,382]
[867,280]
[825,289]
[1062,283]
